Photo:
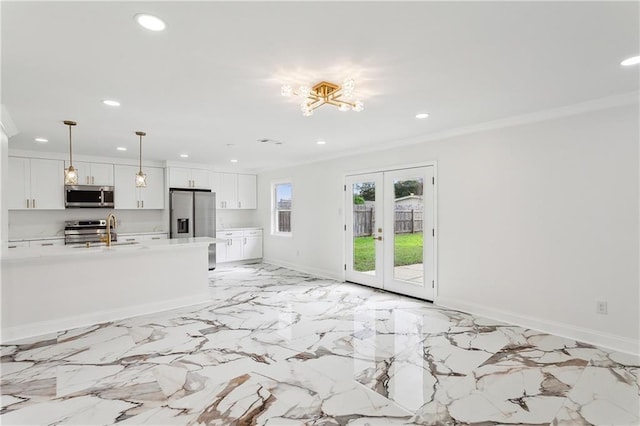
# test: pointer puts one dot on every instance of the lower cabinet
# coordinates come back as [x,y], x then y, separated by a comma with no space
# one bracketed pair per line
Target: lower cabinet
[239,245]
[136,238]
[36,243]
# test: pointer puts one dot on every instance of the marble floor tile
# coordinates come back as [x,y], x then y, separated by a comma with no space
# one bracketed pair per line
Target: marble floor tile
[278,347]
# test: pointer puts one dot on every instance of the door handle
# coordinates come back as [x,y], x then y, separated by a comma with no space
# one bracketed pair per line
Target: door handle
[377,238]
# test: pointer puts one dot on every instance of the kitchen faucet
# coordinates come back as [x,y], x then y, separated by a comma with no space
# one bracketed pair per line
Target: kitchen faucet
[115,224]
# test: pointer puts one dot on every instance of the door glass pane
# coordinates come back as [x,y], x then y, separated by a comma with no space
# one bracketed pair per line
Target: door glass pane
[408,238]
[364,215]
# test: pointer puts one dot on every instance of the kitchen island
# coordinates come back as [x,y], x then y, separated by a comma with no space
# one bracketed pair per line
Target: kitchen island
[57,288]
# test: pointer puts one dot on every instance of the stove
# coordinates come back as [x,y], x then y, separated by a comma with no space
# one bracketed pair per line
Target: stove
[87,231]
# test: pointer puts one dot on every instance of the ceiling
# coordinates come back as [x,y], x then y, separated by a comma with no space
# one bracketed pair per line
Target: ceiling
[209,85]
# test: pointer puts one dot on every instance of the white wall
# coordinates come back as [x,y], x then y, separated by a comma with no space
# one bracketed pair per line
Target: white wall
[4,217]
[535,222]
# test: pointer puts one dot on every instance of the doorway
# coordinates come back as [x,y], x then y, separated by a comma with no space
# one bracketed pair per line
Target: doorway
[390,235]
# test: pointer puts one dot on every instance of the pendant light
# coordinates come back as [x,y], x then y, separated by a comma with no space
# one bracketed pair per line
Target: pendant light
[70,173]
[141,178]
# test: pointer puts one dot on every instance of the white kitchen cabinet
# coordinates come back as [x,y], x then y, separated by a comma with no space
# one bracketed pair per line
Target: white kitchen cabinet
[128,196]
[93,173]
[36,184]
[51,242]
[252,244]
[152,197]
[136,238]
[234,191]
[239,245]
[225,186]
[182,177]
[18,244]
[247,192]
[231,250]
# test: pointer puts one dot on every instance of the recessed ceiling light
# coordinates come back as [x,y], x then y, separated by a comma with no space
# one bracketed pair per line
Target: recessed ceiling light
[234,161]
[422,115]
[150,22]
[634,60]
[321,142]
[184,155]
[121,148]
[43,140]
[111,102]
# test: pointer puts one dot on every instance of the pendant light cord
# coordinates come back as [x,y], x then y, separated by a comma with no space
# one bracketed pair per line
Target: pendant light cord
[140,152]
[70,152]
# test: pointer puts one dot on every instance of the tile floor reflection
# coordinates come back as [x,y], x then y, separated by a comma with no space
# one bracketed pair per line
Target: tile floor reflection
[277,347]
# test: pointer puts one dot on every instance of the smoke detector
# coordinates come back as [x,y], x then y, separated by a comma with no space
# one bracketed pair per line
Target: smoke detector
[271,141]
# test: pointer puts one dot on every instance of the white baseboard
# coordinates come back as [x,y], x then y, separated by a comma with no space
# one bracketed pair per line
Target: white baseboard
[324,273]
[610,341]
[45,327]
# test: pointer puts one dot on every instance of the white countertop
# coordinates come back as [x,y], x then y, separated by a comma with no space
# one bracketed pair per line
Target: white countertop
[101,249]
[238,229]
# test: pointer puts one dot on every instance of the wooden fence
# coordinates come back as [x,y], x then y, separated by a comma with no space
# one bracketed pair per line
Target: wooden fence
[284,221]
[408,220]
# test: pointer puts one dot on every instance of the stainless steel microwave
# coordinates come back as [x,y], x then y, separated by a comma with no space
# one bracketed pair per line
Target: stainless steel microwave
[88,196]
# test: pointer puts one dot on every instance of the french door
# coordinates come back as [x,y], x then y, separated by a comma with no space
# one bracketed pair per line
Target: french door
[390,231]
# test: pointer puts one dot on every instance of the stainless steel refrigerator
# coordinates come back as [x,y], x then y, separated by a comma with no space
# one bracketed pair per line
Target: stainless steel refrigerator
[193,214]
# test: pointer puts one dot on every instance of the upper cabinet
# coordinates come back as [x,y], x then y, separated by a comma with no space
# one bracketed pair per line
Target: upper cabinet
[94,173]
[35,184]
[182,177]
[128,196]
[234,191]
[247,197]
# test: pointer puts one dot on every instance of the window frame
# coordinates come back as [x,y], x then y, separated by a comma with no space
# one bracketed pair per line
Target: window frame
[275,209]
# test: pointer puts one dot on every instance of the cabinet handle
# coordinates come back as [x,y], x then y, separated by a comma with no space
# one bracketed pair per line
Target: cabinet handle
[155,238]
[142,203]
[87,179]
[245,241]
[46,244]
[137,204]
[33,203]
[93,179]
[239,204]
[13,246]
[27,203]
[129,239]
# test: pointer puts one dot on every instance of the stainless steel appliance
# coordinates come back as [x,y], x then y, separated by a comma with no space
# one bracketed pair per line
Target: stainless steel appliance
[193,214]
[88,196]
[87,231]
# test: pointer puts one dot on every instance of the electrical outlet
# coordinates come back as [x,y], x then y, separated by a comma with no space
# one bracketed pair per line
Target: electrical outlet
[601,307]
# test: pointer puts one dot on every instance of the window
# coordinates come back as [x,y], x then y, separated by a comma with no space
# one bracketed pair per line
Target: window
[281,208]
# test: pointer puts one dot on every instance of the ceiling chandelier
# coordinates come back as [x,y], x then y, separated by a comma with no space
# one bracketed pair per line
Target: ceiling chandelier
[325,93]
[70,173]
[141,178]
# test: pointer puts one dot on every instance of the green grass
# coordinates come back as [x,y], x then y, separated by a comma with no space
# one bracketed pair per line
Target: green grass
[408,251]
